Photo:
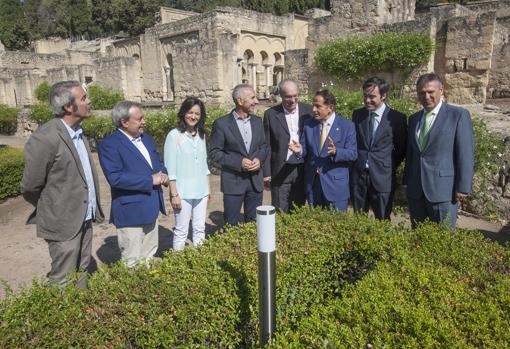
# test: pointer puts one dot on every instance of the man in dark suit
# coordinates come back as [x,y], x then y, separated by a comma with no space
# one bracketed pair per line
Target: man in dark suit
[381,134]
[238,145]
[60,181]
[328,144]
[135,173]
[440,155]
[282,124]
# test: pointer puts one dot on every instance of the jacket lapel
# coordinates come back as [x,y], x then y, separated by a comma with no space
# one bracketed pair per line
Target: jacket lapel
[280,116]
[436,126]
[129,145]
[66,138]
[382,125]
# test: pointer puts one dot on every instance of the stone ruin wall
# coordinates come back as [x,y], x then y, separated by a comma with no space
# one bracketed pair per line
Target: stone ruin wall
[499,76]
[469,46]
[120,74]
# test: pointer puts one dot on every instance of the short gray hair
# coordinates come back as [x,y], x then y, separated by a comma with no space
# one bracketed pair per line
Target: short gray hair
[284,82]
[237,92]
[61,96]
[426,78]
[121,111]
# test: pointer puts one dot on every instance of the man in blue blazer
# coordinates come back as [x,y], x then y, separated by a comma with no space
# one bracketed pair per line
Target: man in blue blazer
[440,155]
[135,173]
[238,145]
[381,134]
[328,145]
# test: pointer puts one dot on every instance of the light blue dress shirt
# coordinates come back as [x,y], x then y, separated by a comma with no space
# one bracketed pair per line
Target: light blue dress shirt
[77,137]
[186,162]
[244,126]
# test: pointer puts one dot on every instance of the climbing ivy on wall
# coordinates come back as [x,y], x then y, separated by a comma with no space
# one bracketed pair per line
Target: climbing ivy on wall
[353,58]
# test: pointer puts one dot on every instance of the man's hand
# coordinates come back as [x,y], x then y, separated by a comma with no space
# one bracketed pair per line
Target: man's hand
[156,178]
[295,147]
[460,196]
[164,179]
[267,181]
[331,147]
[176,202]
[255,165]
[246,164]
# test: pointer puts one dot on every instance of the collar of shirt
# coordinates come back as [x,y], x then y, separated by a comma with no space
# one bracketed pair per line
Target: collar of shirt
[436,108]
[75,133]
[295,112]
[131,138]
[237,117]
[380,111]
[329,121]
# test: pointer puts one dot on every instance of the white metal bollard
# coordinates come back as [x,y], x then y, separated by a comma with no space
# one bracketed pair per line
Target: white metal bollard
[266,243]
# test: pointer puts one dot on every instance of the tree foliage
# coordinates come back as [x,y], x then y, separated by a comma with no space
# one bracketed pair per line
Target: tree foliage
[24,21]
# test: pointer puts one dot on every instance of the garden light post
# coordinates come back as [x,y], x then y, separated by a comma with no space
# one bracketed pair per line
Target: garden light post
[266,241]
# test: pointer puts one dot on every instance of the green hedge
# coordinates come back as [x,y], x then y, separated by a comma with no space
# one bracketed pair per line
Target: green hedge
[11,171]
[342,281]
[8,119]
[103,98]
[42,92]
[355,57]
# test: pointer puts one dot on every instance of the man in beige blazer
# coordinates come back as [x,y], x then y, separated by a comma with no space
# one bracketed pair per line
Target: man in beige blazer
[60,181]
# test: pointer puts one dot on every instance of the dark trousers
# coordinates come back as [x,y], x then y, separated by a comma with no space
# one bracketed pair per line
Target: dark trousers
[439,212]
[70,256]
[251,199]
[364,196]
[318,199]
[289,188]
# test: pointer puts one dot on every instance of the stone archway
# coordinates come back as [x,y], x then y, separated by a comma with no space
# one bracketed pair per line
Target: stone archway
[169,78]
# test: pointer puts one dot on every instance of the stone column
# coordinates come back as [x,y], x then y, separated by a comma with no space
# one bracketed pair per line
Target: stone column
[267,72]
[253,67]
[239,79]
[169,92]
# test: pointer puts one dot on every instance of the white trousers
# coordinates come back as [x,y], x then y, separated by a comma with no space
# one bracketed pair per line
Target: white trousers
[138,244]
[196,210]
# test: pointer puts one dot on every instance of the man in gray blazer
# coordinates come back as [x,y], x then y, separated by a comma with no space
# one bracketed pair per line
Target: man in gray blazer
[283,124]
[440,155]
[60,181]
[238,145]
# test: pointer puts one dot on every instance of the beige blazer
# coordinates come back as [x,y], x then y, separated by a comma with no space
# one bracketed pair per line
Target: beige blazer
[54,183]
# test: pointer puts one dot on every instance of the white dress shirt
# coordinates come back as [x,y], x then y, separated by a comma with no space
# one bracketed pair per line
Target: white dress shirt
[292,119]
[137,142]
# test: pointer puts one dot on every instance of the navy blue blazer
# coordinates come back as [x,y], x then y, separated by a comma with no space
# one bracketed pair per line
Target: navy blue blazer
[445,164]
[333,170]
[386,151]
[226,148]
[135,201]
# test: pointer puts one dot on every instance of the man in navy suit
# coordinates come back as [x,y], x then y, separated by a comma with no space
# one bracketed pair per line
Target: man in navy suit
[328,144]
[381,134]
[238,145]
[440,155]
[282,124]
[135,173]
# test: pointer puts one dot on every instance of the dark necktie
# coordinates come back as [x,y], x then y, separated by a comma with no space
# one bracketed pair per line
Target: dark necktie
[371,123]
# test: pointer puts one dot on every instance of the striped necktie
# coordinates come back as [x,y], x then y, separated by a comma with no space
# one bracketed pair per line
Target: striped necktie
[425,129]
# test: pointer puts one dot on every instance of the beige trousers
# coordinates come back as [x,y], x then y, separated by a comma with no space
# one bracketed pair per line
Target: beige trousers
[138,244]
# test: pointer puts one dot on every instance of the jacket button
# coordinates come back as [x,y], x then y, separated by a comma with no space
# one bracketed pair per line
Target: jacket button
[85,201]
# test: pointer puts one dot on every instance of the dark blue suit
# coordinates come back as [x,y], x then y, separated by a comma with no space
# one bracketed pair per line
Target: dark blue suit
[135,201]
[444,166]
[375,185]
[327,176]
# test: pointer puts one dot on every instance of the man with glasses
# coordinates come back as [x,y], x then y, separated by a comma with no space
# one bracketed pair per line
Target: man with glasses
[283,124]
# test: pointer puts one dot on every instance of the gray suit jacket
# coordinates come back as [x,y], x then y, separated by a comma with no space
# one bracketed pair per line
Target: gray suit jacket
[445,164]
[226,148]
[54,182]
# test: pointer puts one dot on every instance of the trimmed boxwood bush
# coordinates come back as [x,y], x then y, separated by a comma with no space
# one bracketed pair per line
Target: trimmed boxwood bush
[8,119]
[11,171]
[42,92]
[342,281]
[40,113]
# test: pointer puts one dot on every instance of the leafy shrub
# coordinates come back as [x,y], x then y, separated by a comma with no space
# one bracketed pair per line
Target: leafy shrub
[97,127]
[352,281]
[8,119]
[40,113]
[11,171]
[42,92]
[355,57]
[102,98]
